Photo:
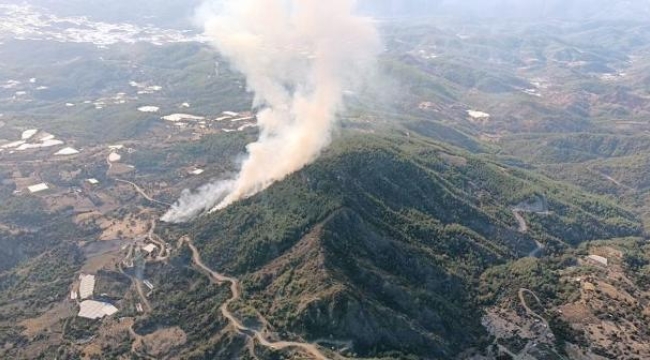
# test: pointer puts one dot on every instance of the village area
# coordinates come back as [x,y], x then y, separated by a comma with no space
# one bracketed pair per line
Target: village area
[96,187]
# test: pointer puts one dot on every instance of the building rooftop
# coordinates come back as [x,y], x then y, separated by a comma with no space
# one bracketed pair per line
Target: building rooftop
[67,151]
[91,309]
[87,286]
[149,248]
[114,157]
[28,134]
[37,188]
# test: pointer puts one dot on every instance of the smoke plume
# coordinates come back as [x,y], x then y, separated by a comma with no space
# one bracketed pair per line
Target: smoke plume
[298,57]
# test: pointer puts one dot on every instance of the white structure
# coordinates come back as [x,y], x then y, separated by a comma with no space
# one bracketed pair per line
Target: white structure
[598,259]
[148,284]
[149,248]
[87,286]
[245,118]
[93,181]
[478,114]
[244,127]
[197,172]
[38,188]
[73,295]
[149,109]
[114,157]
[116,147]
[28,134]
[42,144]
[67,151]
[14,144]
[230,113]
[181,117]
[91,309]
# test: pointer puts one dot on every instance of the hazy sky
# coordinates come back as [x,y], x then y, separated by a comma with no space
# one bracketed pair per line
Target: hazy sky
[175,12]
[524,9]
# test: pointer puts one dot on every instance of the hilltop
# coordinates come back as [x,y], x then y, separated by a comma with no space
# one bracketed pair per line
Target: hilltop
[393,233]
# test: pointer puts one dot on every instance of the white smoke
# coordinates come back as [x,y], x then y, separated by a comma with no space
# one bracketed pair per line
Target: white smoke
[298,57]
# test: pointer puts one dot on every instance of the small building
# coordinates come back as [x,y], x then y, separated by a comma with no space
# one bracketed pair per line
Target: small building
[598,259]
[93,181]
[197,171]
[73,295]
[230,113]
[91,309]
[38,188]
[149,248]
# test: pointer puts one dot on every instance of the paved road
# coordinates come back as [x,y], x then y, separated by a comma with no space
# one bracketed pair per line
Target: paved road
[235,289]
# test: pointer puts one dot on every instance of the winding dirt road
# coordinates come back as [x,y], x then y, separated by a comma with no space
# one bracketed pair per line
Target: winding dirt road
[136,282]
[164,252]
[141,192]
[523,226]
[612,180]
[530,311]
[235,289]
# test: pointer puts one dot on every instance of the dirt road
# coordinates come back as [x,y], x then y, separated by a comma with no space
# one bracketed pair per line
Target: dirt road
[612,180]
[523,226]
[141,192]
[164,253]
[235,289]
[522,291]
